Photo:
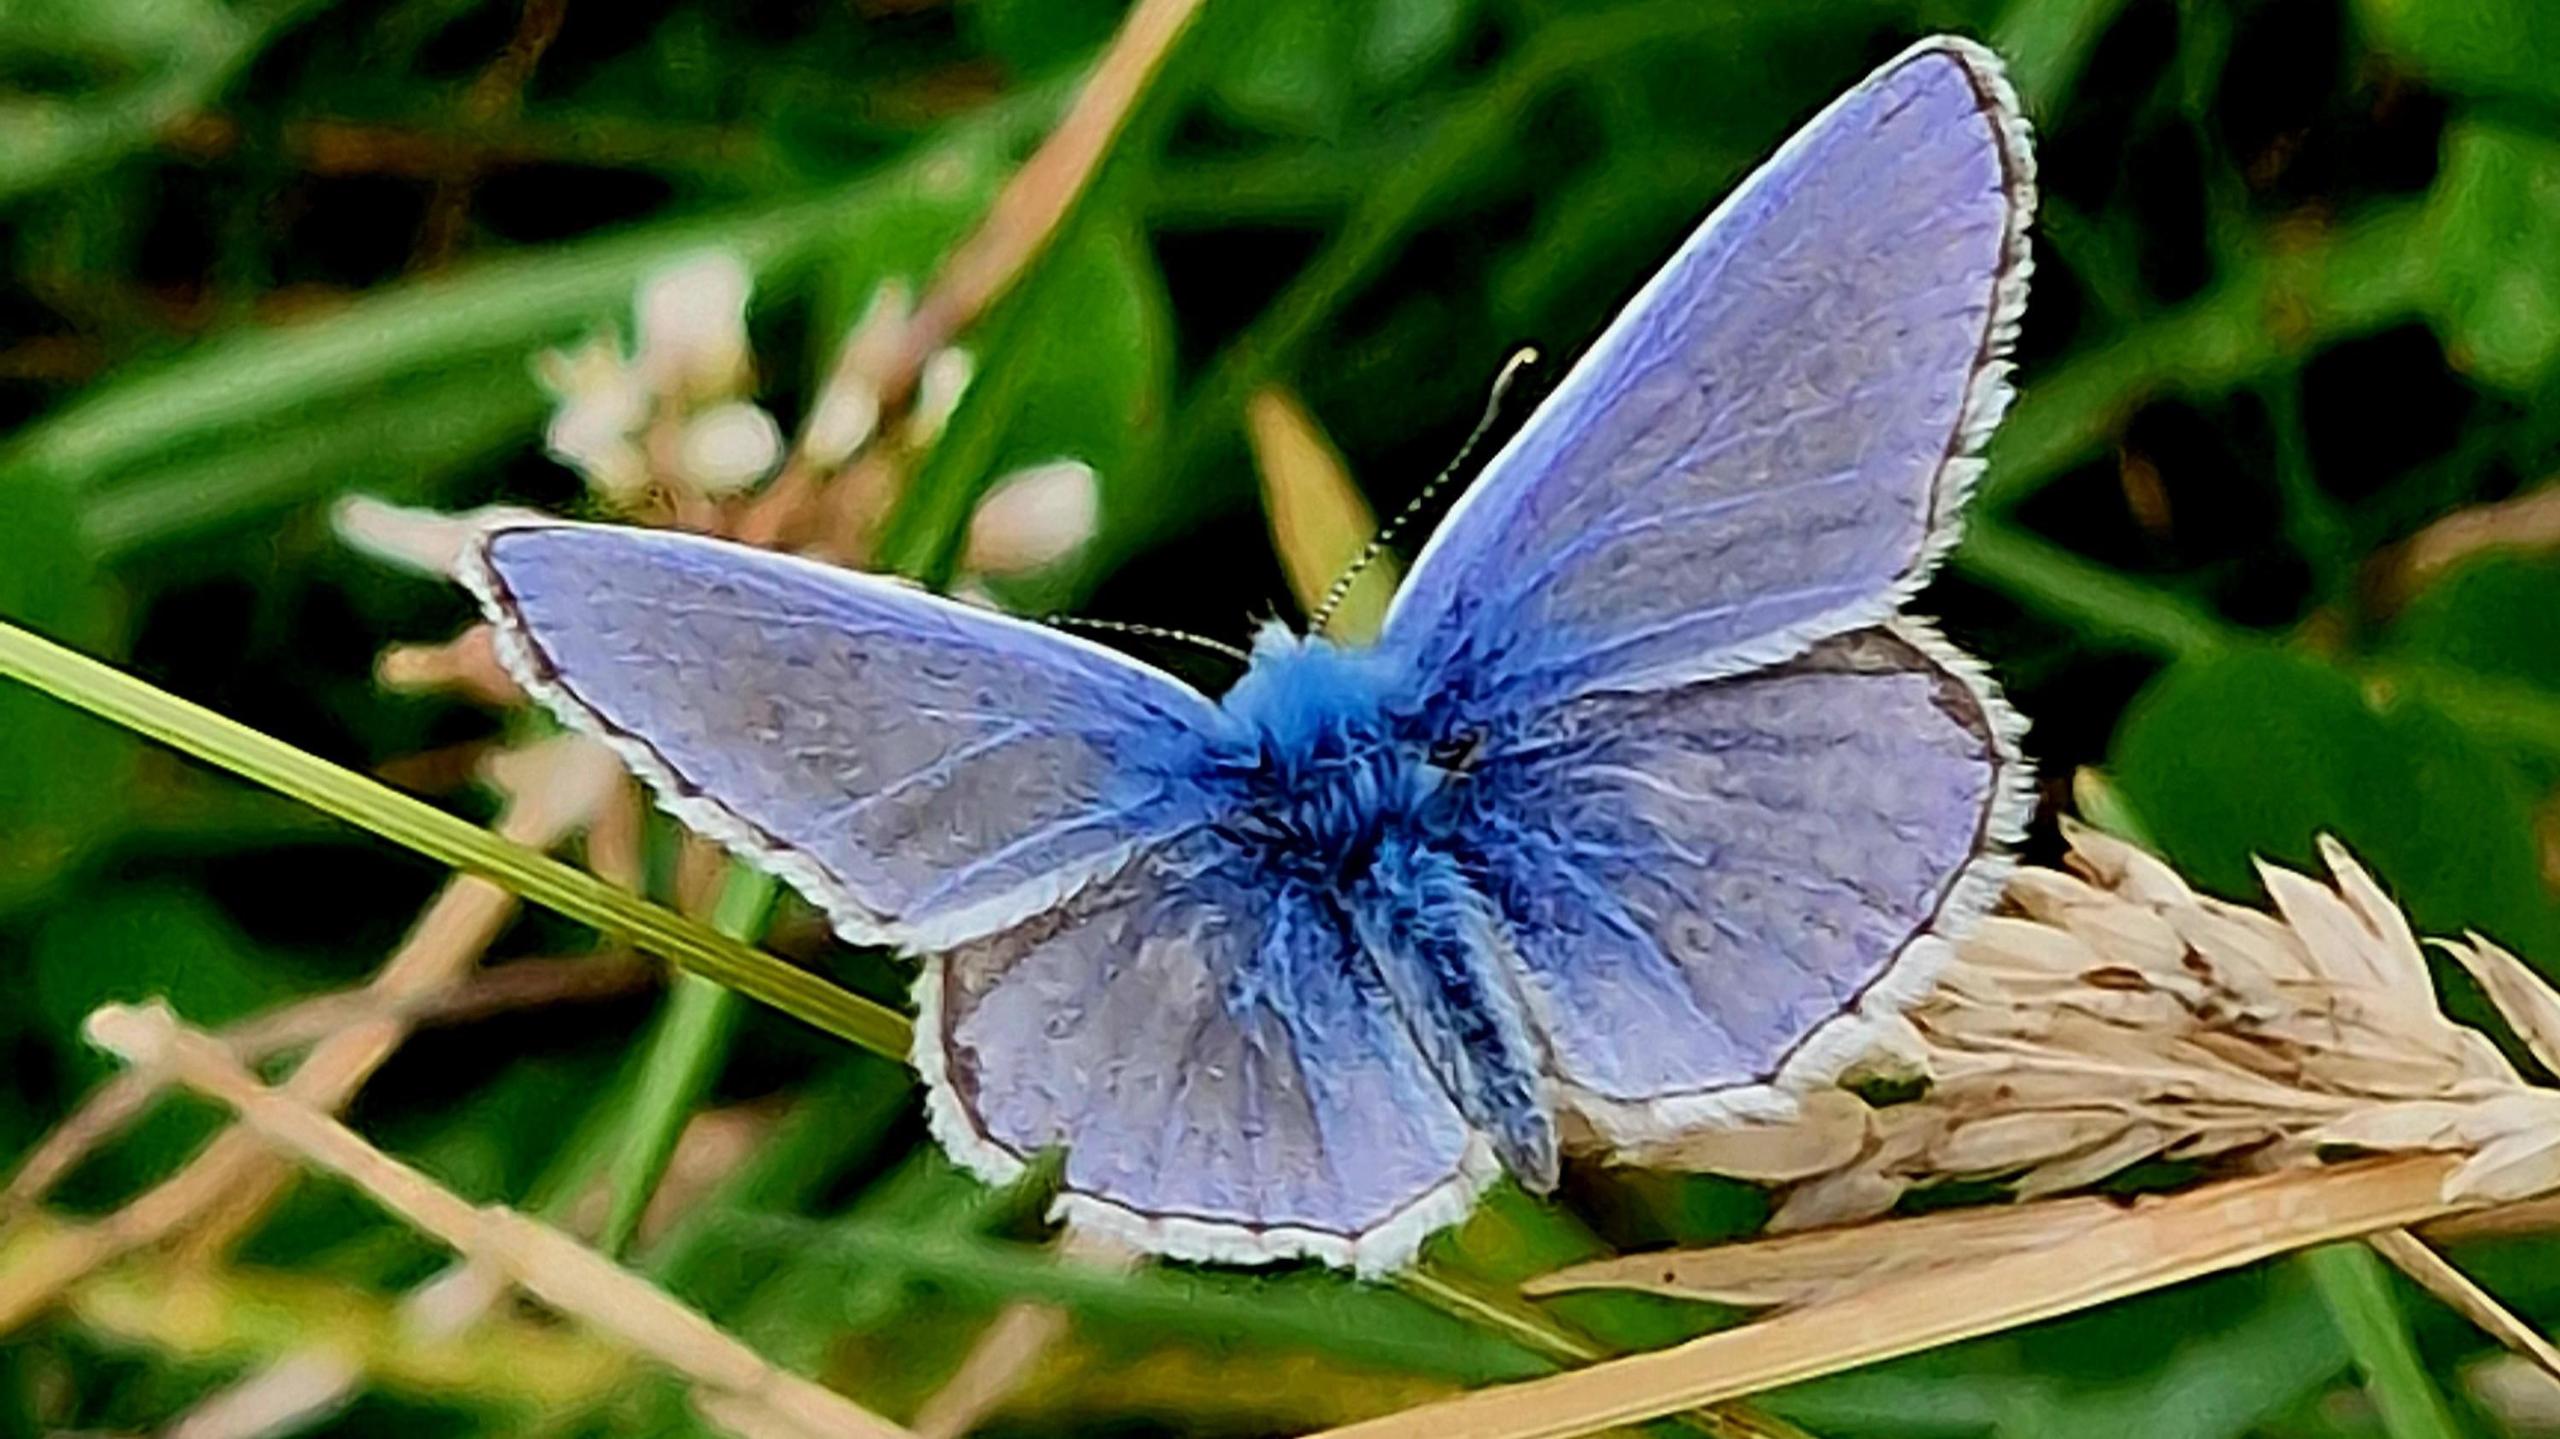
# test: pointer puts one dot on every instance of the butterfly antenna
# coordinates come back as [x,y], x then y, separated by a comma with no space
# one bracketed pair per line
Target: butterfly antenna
[1150,632]
[1521,359]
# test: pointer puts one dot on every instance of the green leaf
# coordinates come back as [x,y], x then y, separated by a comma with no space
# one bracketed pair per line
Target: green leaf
[2482,47]
[2498,615]
[1297,66]
[2496,214]
[1289,69]
[54,141]
[2046,42]
[496,1139]
[107,35]
[1310,1310]
[1036,36]
[1403,36]
[393,443]
[1097,343]
[680,1063]
[2255,751]
[64,780]
[2358,1291]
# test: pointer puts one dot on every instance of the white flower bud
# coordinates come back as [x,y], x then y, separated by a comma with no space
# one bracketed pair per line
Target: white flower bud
[728,447]
[602,406]
[692,318]
[1033,519]
[938,390]
[842,421]
[430,542]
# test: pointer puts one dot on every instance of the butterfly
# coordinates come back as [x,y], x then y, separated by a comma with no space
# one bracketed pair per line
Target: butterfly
[1647,809]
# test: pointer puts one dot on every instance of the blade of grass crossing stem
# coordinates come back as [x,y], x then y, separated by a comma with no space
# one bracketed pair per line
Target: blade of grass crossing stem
[2358,1292]
[683,1055]
[111,694]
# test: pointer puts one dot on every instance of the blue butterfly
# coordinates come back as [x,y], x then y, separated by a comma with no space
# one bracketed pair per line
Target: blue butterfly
[1644,811]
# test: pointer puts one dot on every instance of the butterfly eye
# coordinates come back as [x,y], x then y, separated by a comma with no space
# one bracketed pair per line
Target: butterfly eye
[1455,753]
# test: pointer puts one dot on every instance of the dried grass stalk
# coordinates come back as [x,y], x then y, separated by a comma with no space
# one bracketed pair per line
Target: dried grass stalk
[2149,1244]
[552,788]
[549,1265]
[283,1398]
[515,985]
[2458,1292]
[1816,1265]
[2112,1015]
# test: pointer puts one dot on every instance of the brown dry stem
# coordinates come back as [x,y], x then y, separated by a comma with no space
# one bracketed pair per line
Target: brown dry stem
[518,984]
[554,787]
[558,785]
[2458,1292]
[2150,1244]
[2527,523]
[1036,201]
[545,1263]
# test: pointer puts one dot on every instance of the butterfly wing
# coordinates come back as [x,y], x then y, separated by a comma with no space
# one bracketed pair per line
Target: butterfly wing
[1770,443]
[1727,883]
[1228,1082]
[1112,977]
[1728,801]
[924,770]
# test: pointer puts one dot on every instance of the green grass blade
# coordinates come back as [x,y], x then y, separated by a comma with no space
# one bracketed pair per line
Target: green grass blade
[490,315]
[2352,1282]
[1305,1311]
[682,1058]
[109,693]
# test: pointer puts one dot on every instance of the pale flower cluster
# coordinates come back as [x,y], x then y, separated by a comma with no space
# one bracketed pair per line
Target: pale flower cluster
[674,411]
[675,403]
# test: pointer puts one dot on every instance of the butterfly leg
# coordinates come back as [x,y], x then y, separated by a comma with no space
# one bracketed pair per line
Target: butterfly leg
[1437,944]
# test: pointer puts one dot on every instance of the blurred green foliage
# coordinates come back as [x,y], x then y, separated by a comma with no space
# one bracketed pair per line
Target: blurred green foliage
[2297,299]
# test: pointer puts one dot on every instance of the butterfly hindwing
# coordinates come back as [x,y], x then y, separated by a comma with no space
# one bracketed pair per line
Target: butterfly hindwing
[924,770]
[1700,882]
[1770,443]
[1228,1081]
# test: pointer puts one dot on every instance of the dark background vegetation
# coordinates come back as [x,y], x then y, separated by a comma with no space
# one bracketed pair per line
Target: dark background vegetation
[2297,299]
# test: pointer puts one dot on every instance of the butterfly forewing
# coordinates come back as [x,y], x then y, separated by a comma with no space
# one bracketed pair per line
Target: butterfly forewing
[1725,802]
[1226,1074]
[1770,442]
[924,770]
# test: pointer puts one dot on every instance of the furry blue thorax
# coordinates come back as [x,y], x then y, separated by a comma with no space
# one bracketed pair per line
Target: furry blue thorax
[1304,694]
[1325,770]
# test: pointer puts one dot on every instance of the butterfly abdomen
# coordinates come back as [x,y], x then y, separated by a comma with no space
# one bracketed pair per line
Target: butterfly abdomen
[1436,945]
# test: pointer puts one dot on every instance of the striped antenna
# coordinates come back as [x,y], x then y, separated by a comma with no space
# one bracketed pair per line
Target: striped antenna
[1521,359]
[1149,632]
